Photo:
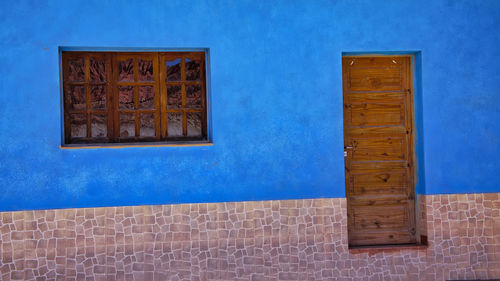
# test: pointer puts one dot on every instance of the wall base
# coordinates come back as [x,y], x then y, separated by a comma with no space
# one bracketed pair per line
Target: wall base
[266,240]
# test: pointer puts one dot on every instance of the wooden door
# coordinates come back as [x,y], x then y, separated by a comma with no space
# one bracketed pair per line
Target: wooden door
[378,140]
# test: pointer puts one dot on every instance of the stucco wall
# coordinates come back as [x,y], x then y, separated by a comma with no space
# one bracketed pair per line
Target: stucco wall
[275,71]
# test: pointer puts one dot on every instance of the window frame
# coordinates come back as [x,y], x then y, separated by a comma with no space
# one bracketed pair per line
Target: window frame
[160,139]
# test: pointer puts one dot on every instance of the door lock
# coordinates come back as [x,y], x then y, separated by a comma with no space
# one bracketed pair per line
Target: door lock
[345,151]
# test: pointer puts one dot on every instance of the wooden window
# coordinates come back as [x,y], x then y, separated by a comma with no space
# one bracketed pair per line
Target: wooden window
[118,97]
[378,142]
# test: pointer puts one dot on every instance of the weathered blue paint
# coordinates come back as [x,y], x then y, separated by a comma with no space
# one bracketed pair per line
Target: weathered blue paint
[276,97]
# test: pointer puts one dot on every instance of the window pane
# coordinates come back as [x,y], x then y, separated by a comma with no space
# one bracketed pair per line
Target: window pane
[194,124]
[174,70]
[193,70]
[78,125]
[146,97]
[98,127]
[145,70]
[98,97]
[76,98]
[97,70]
[127,125]
[115,97]
[193,96]
[147,125]
[174,97]
[174,124]
[76,70]
[126,97]
[126,70]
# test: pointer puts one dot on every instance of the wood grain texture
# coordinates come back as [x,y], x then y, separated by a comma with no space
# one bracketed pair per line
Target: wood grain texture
[378,138]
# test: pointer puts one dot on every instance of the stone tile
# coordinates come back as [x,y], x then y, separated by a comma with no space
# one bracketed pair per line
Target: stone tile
[265,240]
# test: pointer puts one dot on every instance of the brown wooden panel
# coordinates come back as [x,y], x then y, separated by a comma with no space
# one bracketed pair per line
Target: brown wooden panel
[377,166]
[376,114]
[375,97]
[375,131]
[375,78]
[378,140]
[379,237]
[386,182]
[375,109]
[380,217]
[378,148]
[380,200]
[374,73]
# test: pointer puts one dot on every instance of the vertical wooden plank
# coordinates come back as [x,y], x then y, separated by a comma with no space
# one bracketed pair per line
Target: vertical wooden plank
[184,116]
[135,63]
[137,125]
[136,97]
[65,99]
[203,96]
[136,107]
[163,96]
[114,85]
[347,143]
[183,67]
[183,89]
[110,96]
[411,152]
[157,91]
[87,94]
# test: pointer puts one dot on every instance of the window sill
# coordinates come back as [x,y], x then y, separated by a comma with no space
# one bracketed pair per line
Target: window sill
[132,145]
[386,248]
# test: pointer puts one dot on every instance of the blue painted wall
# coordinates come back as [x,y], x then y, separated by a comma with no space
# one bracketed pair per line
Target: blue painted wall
[276,97]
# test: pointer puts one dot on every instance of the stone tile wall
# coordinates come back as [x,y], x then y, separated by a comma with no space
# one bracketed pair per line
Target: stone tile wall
[421,209]
[267,240]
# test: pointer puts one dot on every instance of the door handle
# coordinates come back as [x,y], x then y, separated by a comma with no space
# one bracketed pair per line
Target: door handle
[345,151]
